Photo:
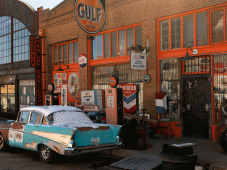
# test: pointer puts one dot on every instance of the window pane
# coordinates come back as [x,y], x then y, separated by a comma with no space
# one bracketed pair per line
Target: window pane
[4,103]
[99,47]
[55,55]
[114,44]
[176,33]
[35,118]
[76,52]
[122,42]
[138,35]
[24,117]
[164,35]
[217,22]
[170,83]
[94,48]
[130,38]
[201,29]
[107,45]
[188,31]
[70,53]
[65,54]
[60,54]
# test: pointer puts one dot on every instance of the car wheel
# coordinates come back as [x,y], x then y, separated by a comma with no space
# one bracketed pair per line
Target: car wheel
[45,154]
[2,143]
[223,140]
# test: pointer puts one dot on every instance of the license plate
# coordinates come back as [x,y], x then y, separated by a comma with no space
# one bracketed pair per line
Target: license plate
[95,140]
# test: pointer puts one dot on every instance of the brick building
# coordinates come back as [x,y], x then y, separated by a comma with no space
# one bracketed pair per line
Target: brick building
[195,85]
[18,21]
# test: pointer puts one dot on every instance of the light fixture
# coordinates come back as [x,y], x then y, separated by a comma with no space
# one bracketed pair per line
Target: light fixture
[187,57]
[59,69]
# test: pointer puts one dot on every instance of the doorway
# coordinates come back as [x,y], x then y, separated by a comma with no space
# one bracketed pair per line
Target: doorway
[196,102]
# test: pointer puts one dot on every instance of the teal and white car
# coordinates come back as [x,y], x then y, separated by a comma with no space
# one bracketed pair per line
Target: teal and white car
[65,130]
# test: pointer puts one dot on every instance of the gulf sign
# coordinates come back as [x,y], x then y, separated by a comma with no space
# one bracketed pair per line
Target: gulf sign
[90,15]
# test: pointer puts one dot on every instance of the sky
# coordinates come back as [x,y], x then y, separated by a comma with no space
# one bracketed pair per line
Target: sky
[45,3]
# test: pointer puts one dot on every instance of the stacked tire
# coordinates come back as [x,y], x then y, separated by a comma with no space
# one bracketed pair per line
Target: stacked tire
[178,158]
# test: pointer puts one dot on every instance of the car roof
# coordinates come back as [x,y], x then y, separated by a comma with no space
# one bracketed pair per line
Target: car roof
[46,110]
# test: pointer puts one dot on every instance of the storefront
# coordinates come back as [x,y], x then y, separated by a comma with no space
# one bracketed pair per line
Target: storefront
[17,77]
[84,58]
[195,83]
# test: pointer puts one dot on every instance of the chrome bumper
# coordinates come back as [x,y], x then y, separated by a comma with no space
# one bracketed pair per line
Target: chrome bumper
[93,148]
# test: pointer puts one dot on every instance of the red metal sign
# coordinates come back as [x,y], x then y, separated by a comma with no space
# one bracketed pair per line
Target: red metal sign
[38,73]
[129,94]
[32,51]
[90,15]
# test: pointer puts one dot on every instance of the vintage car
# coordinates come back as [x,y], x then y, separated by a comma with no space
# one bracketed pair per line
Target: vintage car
[65,130]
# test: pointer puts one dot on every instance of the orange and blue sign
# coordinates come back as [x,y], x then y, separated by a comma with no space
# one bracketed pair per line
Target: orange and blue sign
[90,15]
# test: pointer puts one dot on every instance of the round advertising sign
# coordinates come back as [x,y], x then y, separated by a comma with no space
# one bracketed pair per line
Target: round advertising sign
[113,81]
[82,59]
[90,15]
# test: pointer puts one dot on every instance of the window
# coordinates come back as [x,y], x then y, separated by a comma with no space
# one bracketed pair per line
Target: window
[19,38]
[122,43]
[26,93]
[102,74]
[35,118]
[44,121]
[201,29]
[8,98]
[220,84]
[176,32]
[65,53]
[164,34]
[198,65]
[217,22]
[98,47]
[170,83]
[113,43]
[24,117]
[188,25]
[107,45]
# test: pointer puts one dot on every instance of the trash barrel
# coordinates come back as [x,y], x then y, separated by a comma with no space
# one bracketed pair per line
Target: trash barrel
[178,156]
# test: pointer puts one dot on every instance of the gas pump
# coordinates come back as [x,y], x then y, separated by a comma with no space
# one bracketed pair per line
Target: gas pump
[114,106]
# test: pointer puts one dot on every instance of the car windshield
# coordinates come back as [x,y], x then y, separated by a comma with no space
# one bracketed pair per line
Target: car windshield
[68,117]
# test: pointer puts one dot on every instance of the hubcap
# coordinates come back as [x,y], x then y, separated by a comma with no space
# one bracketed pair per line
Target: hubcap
[45,152]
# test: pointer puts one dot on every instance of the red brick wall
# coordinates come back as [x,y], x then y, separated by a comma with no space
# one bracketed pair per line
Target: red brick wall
[60,25]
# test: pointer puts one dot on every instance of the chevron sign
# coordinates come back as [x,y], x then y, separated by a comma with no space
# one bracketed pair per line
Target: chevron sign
[129,94]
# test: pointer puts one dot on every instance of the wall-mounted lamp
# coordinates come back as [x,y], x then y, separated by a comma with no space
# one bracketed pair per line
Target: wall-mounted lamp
[138,48]
[91,37]
[59,69]
[187,57]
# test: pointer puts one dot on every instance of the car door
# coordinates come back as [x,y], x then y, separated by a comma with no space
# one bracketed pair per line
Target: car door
[30,139]
[16,130]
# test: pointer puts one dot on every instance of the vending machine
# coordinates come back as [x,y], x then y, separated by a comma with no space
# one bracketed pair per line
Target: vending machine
[114,106]
[51,99]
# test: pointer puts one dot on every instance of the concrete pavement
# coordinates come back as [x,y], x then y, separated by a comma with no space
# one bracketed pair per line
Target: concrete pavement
[210,154]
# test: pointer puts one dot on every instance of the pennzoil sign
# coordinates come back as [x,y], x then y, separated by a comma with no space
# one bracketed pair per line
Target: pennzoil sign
[90,15]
